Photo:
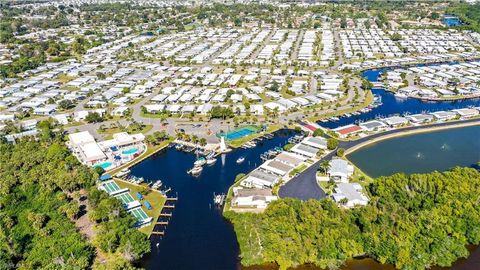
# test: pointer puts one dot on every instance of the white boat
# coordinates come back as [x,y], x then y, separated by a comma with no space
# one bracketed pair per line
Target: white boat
[211,161]
[123,173]
[196,170]
[240,160]
[157,184]
[400,95]
[200,162]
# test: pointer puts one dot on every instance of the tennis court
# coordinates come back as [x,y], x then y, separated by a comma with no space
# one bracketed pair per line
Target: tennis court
[125,198]
[139,214]
[239,133]
[111,187]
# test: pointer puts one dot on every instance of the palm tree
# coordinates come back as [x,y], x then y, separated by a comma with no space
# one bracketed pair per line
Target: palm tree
[325,166]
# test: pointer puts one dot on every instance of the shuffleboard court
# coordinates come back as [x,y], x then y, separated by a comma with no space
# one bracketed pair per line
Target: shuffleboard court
[111,187]
[139,214]
[125,198]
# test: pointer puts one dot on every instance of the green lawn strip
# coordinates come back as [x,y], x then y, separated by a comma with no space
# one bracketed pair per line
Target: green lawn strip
[228,199]
[108,132]
[155,198]
[298,170]
[152,115]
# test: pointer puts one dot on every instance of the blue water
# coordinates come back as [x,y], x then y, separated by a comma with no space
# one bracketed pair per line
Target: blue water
[393,105]
[420,153]
[130,151]
[452,21]
[104,165]
[198,237]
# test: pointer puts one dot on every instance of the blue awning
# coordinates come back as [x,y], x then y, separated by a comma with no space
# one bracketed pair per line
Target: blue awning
[139,196]
[147,205]
[105,177]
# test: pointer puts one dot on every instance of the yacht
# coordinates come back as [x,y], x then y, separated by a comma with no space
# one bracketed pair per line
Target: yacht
[400,95]
[122,173]
[211,161]
[200,162]
[240,160]
[196,170]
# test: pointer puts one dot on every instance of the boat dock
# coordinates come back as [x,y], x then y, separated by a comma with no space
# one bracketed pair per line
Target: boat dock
[163,220]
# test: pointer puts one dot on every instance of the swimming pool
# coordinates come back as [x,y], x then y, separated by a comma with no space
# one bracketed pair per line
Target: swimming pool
[239,133]
[130,151]
[104,165]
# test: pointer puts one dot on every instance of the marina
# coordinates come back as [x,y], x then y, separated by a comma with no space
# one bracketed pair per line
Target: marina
[195,222]
[393,105]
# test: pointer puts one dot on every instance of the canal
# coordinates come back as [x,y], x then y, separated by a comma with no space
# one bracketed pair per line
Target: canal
[394,105]
[198,237]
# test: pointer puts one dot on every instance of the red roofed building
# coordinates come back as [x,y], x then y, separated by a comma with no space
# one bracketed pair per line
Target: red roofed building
[348,130]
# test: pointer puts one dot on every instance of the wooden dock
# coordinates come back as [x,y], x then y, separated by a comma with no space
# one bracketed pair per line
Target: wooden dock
[165,214]
[161,223]
[161,233]
[172,199]
[169,206]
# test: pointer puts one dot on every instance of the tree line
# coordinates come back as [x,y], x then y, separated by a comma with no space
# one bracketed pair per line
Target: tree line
[41,185]
[412,222]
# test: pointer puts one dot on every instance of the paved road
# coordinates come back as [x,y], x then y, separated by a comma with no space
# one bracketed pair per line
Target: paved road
[304,186]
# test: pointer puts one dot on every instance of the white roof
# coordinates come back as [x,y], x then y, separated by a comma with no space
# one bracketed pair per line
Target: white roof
[80,138]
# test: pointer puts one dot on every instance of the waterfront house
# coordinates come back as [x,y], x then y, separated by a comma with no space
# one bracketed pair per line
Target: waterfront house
[276,167]
[467,112]
[444,115]
[420,118]
[259,178]
[373,125]
[290,159]
[304,150]
[349,195]
[339,170]
[317,142]
[252,198]
[395,121]
[348,130]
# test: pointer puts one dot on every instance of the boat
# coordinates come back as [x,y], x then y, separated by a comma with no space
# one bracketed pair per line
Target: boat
[219,199]
[211,161]
[196,170]
[179,147]
[122,173]
[240,160]
[200,162]
[400,95]
[157,184]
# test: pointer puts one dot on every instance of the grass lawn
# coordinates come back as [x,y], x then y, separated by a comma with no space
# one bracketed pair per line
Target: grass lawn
[108,132]
[228,199]
[360,177]
[156,199]
[152,115]
[239,142]
[298,170]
